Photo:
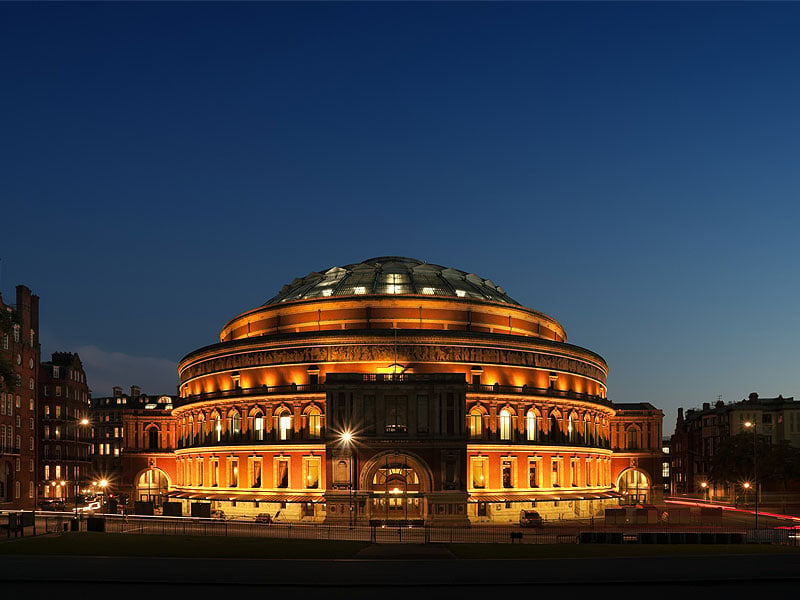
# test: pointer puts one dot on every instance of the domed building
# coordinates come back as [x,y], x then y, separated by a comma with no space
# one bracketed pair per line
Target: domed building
[394,390]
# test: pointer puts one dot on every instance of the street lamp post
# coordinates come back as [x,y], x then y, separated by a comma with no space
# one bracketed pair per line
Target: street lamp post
[82,422]
[347,440]
[103,485]
[752,425]
[704,485]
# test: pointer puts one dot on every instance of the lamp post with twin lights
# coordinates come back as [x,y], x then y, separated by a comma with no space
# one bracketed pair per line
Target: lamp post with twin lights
[347,440]
[78,424]
[752,425]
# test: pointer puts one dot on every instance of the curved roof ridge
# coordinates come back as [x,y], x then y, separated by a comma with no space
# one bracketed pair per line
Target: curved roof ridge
[392,276]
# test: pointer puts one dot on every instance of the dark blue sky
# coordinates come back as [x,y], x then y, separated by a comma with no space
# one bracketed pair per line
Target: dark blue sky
[631,169]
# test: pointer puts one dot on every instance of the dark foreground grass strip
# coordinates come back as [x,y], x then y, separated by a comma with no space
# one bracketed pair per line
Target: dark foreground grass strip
[117,544]
[114,544]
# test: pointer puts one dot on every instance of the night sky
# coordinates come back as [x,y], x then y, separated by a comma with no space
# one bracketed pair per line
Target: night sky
[630,169]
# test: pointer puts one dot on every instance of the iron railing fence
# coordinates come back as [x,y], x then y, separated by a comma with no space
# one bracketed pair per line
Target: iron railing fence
[567,533]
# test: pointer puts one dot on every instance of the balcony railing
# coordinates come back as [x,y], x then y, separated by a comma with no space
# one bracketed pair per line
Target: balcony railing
[481,388]
[262,390]
[250,437]
[542,439]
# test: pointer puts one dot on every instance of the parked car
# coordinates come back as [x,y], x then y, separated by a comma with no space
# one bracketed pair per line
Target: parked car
[530,518]
[218,514]
[264,518]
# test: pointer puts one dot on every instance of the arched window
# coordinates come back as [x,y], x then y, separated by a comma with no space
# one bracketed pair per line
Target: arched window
[217,431]
[234,423]
[285,425]
[190,431]
[257,426]
[555,429]
[475,424]
[314,423]
[571,429]
[632,437]
[505,425]
[531,426]
[152,438]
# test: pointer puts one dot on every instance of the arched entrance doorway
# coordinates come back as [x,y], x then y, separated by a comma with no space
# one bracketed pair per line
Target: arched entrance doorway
[151,486]
[634,485]
[397,483]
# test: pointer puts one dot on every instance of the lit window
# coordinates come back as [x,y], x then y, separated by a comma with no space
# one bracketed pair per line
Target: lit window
[475,424]
[312,470]
[360,289]
[285,426]
[531,426]
[233,474]
[505,425]
[479,472]
[428,291]
[507,472]
[314,423]
[461,293]
[281,472]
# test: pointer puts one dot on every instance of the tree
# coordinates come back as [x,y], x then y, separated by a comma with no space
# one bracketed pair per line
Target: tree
[733,461]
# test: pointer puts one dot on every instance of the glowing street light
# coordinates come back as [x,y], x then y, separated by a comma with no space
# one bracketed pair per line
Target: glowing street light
[704,485]
[82,422]
[347,440]
[752,425]
[103,483]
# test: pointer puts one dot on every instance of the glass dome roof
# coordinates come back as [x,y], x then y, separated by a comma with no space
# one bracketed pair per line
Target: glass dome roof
[392,275]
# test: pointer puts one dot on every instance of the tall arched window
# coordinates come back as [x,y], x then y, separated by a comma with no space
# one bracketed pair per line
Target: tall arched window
[555,429]
[632,437]
[285,426]
[531,426]
[257,426]
[505,425]
[571,433]
[234,423]
[217,432]
[201,428]
[314,423]
[475,423]
[152,438]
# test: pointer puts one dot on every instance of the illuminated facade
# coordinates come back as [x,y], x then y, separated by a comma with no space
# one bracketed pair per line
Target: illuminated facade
[396,390]
[65,430]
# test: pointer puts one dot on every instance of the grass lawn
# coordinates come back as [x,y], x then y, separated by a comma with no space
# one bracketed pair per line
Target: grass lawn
[114,544]
[119,544]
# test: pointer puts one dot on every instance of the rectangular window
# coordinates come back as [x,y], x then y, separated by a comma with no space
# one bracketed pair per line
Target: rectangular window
[507,472]
[255,473]
[555,477]
[233,472]
[200,472]
[533,479]
[58,390]
[396,414]
[479,472]
[422,414]
[281,472]
[311,467]
[573,467]
[214,472]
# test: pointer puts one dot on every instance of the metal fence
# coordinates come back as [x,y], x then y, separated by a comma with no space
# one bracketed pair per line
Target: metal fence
[572,533]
